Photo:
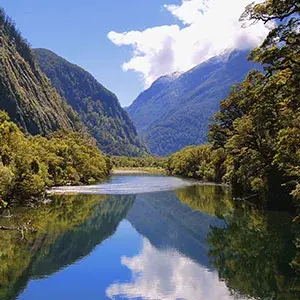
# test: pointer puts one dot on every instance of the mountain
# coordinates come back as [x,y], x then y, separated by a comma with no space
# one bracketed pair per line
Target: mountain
[97,107]
[140,110]
[25,92]
[175,111]
[176,225]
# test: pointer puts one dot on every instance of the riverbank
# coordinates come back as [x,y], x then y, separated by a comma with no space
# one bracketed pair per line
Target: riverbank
[124,171]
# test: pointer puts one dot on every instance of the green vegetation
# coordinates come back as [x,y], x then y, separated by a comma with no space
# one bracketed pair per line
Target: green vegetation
[97,107]
[64,231]
[147,162]
[28,165]
[201,162]
[25,92]
[255,139]
[175,111]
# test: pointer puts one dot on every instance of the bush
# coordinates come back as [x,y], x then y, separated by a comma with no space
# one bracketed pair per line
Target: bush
[29,165]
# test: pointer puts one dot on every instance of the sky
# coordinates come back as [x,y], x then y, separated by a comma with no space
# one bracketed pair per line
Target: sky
[126,45]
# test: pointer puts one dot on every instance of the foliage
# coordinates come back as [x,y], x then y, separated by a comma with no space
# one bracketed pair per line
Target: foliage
[200,162]
[175,111]
[255,137]
[259,123]
[25,92]
[28,165]
[97,107]
[138,162]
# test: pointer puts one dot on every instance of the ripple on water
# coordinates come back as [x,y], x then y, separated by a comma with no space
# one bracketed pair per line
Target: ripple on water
[128,184]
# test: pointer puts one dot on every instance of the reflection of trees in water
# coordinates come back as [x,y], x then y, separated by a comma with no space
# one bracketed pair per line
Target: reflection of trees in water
[67,230]
[210,199]
[253,253]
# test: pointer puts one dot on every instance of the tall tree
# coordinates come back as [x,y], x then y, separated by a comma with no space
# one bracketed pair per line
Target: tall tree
[259,123]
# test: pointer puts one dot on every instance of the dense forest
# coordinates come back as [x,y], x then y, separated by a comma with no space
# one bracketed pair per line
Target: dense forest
[175,111]
[138,162]
[255,137]
[97,107]
[29,165]
[51,133]
[25,92]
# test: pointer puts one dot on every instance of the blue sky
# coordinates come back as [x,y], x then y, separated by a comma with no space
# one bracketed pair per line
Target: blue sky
[127,44]
[77,30]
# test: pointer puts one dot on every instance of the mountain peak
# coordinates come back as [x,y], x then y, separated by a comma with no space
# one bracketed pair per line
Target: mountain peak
[97,107]
[175,111]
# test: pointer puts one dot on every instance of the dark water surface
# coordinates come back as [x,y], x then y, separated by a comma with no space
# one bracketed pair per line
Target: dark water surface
[166,239]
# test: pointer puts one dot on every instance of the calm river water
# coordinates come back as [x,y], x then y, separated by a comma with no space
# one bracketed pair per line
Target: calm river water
[147,237]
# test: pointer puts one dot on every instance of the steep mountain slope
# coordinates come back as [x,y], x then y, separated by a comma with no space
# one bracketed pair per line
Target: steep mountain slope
[140,109]
[178,113]
[96,106]
[25,92]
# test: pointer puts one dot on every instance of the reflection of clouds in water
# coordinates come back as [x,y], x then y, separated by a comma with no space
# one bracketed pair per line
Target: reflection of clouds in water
[167,274]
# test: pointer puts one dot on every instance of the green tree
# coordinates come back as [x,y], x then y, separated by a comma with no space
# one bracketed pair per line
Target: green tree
[29,165]
[258,124]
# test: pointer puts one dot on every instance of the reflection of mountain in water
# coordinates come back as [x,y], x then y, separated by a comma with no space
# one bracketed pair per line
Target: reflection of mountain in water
[84,222]
[168,223]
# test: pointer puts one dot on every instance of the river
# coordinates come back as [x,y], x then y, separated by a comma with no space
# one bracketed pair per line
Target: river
[147,237]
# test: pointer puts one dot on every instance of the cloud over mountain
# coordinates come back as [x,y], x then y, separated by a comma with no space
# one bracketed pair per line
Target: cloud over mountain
[209,27]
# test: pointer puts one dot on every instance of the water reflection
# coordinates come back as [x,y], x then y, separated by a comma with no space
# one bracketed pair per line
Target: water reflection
[167,274]
[170,224]
[129,184]
[192,243]
[67,230]
[210,199]
[253,254]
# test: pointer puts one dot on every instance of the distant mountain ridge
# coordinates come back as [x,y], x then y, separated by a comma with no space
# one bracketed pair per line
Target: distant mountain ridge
[155,89]
[97,107]
[175,113]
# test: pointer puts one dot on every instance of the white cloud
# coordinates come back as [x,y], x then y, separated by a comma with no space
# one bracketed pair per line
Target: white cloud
[210,28]
[167,274]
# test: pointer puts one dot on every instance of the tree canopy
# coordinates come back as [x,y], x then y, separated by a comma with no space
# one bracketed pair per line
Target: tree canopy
[28,165]
[257,129]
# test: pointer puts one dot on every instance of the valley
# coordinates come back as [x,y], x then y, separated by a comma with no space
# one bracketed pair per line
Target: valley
[190,191]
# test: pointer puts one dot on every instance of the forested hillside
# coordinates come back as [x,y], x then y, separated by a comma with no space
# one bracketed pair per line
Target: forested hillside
[97,107]
[29,165]
[255,136]
[25,92]
[178,112]
[141,109]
